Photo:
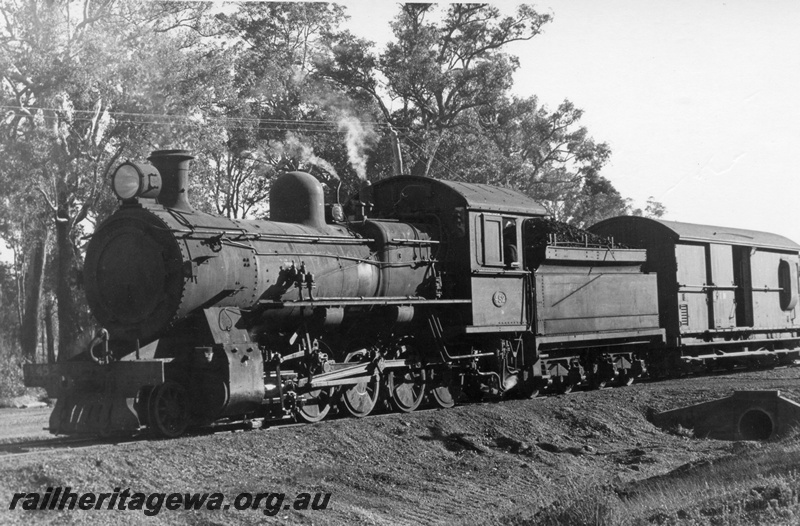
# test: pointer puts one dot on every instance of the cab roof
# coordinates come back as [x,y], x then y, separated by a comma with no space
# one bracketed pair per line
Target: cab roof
[428,193]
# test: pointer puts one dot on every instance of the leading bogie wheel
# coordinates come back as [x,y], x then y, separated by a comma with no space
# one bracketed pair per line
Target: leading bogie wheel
[169,410]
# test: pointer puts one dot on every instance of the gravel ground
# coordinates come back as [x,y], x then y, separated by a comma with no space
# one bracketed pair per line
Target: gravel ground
[473,464]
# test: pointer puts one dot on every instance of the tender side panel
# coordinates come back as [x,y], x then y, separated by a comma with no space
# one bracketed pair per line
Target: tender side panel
[581,300]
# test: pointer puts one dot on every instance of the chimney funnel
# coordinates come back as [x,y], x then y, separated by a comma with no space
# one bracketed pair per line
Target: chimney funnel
[173,165]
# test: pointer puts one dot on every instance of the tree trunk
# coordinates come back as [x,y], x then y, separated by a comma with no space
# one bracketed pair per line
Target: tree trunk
[20,287]
[29,331]
[68,317]
[42,343]
[48,331]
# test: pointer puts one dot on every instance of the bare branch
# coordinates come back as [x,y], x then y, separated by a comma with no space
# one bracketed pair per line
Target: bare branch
[47,200]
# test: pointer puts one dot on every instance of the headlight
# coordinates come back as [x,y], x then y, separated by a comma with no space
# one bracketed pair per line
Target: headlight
[136,180]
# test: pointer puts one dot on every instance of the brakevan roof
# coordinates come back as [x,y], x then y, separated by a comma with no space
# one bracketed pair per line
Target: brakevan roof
[700,233]
[473,196]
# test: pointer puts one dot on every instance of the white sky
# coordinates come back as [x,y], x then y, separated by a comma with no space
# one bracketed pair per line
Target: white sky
[698,99]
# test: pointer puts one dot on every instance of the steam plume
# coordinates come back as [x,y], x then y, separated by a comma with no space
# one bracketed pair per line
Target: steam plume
[357,139]
[295,147]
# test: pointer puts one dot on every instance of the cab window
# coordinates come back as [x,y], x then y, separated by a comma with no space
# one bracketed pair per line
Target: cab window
[499,241]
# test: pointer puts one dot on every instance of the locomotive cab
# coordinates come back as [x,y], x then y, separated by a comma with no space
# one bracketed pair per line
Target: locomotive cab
[480,240]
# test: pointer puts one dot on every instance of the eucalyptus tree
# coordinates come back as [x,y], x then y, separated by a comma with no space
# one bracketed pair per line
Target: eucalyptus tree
[277,113]
[445,81]
[81,84]
[437,69]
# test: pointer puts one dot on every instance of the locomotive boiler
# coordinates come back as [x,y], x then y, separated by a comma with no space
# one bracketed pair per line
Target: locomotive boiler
[416,291]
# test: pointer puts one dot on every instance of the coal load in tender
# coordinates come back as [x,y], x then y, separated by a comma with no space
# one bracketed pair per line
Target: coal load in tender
[548,232]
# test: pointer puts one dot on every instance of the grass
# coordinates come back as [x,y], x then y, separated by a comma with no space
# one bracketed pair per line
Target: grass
[759,486]
[11,383]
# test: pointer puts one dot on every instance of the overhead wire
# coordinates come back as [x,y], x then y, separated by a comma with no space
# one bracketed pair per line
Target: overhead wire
[236,123]
[441,163]
[203,120]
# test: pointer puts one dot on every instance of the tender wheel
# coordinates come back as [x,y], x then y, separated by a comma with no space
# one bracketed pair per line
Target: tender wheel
[601,375]
[563,385]
[527,390]
[169,411]
[360,399]
[657,371]
[625,379]
[598,383]
[315,407]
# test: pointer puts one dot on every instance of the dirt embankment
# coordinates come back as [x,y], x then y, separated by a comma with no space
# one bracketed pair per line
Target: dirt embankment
[482,463]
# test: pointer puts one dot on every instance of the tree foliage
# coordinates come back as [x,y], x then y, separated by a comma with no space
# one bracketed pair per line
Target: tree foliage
[73,77]
[445,82]
[281,114]
[253,90]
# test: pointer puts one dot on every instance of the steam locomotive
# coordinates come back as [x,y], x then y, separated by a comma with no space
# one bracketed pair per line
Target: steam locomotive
[417,290]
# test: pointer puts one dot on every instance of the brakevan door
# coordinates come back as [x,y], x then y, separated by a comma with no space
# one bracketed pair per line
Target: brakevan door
[722,288]
[692,295]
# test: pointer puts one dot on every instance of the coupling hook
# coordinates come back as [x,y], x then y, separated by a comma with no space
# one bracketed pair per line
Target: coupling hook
[100,337]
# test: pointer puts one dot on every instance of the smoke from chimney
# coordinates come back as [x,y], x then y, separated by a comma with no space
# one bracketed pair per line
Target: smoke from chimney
[296,147]
[357,139]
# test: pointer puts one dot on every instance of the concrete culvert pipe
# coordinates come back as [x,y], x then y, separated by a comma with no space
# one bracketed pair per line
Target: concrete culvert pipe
[756,424]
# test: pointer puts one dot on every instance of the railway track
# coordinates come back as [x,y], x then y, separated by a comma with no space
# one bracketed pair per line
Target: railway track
[21,448]
[57,444]
[39,446]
